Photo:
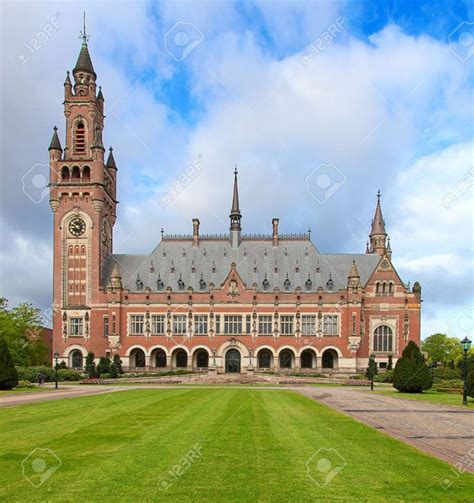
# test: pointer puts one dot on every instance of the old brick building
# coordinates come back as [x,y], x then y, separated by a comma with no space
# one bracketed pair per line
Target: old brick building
[232,302]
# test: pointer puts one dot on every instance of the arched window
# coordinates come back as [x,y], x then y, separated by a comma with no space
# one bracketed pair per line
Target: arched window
[383,339]
[383,287]
[138,358]
[307,359]
[86,174]
[329,359]
[390,288]
[160,359]
[377,287]
[264,358]
[65,174]
[181,359]
[76,174]
[77,359]
[202,359]
[80,138]
[286,357]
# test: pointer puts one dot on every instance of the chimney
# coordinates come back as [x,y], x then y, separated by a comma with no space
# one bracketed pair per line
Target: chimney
[275,231]
[195,231]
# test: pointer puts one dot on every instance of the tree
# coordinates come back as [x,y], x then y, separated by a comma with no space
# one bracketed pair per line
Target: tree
[90,365]
[22,329]
[116,367]
[8,373]
[441,348]
[372,369]
[104,366]
[411,374]
[390,362]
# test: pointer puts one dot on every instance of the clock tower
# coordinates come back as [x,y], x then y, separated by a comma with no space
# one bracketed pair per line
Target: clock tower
[83,201]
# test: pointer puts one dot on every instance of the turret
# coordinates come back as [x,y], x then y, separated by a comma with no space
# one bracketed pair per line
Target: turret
[378,236]
[353,280]
[115,280]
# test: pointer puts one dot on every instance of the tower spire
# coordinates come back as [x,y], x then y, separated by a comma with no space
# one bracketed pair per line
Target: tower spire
[235,216]
[378,235]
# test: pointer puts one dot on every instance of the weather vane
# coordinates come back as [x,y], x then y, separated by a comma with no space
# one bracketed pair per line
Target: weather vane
[83,34]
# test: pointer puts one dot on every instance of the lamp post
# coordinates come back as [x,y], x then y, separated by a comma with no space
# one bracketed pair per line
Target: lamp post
[372,370]
[56,356]
[466,345]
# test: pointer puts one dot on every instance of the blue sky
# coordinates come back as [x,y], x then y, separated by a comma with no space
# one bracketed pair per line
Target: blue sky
[385,100]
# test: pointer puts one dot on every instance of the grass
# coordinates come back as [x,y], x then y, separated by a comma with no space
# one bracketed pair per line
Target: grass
[15,391]
[429,396]
[222,444]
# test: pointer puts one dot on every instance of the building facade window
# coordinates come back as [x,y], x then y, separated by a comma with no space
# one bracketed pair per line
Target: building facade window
[106,326]
[286,325]
[330,325]
[218,324]
[308,325]
[383,339]
[200,324]
[76,327]
[157,324]
[136,324]
[265,324]
[77,360]
[248,324]
[232,324]
[179,324]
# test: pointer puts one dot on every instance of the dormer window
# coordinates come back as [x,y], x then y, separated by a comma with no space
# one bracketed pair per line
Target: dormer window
[202,283]
[139,283]
[180,283]
[159,284]
[80,139]
[330,283]
[309,284]
[286,283]
[266,284]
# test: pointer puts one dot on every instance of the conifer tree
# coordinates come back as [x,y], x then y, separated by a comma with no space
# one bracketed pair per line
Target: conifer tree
[411,374]
[8,373]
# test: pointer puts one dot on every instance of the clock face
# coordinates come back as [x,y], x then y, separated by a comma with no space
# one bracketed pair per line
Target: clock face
[77,226]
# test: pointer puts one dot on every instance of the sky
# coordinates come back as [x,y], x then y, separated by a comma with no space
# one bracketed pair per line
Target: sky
[319,103]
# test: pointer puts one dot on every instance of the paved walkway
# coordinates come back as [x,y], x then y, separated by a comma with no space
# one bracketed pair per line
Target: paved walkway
[444,431]
[441,430]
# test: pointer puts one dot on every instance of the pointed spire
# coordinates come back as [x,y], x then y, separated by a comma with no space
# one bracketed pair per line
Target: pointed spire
[367,247]
[235,216]
[235,199]
[110,160]
[100,96]
[378,223]
[67,82]
[354,273]
[389,248]
[55,143]
[84,62]
[115,280]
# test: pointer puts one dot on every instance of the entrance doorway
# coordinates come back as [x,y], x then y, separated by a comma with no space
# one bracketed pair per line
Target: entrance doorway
[232,361]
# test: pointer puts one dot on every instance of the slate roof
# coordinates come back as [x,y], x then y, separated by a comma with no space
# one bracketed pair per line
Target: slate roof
[255,259]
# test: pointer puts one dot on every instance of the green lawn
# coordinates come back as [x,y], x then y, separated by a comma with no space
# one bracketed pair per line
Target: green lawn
[15,391]
[209,445]
[429,396]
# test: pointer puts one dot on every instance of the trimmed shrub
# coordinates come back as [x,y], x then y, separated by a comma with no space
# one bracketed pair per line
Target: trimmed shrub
[390,362]
[117,362]
[386,376]
[68,375]
[32,373]
[411,374]
[449,383]
[8,373]
[444,373]
[372,369]
[104,366]
[470,384]
[25,384]
[90,365]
